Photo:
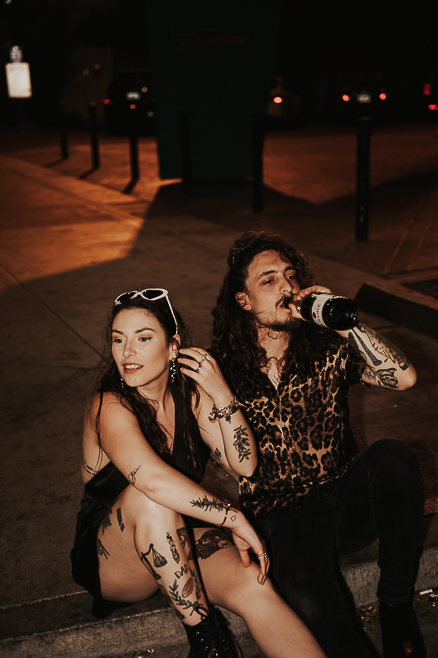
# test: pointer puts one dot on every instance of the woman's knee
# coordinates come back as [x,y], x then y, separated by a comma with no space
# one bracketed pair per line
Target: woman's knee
[138,509]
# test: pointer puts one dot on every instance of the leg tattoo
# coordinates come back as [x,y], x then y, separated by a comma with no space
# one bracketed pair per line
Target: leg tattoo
[173,548]
[211,541]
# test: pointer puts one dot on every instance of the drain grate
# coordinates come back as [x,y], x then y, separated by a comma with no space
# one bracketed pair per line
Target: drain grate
[429,288]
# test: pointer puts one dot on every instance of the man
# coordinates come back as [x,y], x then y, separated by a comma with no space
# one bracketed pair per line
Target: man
[312,493]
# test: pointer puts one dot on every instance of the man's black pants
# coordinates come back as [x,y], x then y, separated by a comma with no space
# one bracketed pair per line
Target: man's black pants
[381,495]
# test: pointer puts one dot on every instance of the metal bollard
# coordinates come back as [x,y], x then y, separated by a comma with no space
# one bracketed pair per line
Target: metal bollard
[133,151]
[95,159]
[362,177]
[62,130]
[258,125]
[185,118]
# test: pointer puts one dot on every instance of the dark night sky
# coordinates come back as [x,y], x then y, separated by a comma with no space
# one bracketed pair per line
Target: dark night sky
[318,40]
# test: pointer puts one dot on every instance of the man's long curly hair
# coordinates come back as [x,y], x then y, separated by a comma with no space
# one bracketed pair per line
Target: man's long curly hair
[235,337]
[110,380]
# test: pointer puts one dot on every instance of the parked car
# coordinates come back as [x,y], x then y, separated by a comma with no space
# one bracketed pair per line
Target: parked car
[129,101]
[430,97]
[284,106]
[368,95]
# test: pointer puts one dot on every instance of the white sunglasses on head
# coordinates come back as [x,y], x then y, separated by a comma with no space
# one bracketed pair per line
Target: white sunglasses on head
[150,295]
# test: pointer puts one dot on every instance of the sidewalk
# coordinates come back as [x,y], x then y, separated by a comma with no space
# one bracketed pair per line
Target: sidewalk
[69,246]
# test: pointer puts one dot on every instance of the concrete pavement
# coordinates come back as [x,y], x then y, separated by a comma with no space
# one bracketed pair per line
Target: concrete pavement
[69,246]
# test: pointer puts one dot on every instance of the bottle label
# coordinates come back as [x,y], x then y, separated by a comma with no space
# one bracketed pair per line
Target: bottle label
[317,306]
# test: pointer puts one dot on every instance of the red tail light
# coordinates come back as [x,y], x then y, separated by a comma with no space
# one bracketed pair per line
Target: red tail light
[277,99]
[427,89]
[106,101]
[345,97]
[382,96]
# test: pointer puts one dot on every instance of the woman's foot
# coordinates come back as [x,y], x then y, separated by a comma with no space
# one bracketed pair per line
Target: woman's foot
[211,638]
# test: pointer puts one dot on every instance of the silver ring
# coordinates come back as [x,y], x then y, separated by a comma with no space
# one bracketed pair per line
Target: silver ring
[298,308]
[199,367]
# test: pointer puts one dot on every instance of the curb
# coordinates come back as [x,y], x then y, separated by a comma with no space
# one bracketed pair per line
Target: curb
[400,305]
[63,626]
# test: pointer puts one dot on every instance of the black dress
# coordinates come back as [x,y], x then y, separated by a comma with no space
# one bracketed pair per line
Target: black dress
[99,496]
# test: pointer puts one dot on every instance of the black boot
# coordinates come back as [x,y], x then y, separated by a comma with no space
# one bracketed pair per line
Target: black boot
[211,638]
[401,634]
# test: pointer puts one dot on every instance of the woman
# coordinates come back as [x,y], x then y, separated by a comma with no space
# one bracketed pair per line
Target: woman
[152,425]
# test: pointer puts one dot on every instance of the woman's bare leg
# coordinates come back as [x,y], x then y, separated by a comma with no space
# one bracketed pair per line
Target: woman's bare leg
[276,629]
[143,546]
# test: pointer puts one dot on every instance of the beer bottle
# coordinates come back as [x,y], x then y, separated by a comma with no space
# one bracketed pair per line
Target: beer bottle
[327,310]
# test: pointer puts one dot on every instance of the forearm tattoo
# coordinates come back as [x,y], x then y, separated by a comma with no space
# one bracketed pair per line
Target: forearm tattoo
[380,344]
[88,469]
[241,443]
[218,453]
[384,377]
[173,548]
[208,504]
[131,477]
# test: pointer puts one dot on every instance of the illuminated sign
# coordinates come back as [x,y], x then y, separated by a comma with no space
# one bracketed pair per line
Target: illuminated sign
[18,77]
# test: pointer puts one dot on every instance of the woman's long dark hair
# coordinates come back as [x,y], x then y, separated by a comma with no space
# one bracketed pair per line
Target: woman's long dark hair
[235,337]
[110,380]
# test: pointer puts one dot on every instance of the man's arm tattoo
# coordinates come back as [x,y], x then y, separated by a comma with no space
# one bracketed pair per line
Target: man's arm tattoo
[384,377]
[384,347]
[131,476]
[361,348]
[241,443]
[218,454]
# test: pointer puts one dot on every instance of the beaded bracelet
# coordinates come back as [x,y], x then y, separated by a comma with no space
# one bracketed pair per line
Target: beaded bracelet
[224,412]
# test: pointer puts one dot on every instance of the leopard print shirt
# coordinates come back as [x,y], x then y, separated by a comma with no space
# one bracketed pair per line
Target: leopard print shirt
[303,433]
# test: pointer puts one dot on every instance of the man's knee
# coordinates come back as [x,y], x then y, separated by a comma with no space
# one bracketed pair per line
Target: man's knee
[394,461]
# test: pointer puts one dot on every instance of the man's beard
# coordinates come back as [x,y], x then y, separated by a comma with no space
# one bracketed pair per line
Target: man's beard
[284,325]
[274,324]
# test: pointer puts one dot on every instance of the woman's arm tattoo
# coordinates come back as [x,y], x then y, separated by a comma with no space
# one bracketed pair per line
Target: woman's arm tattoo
[208,504]
[241,443]
[88,469]
[131,476]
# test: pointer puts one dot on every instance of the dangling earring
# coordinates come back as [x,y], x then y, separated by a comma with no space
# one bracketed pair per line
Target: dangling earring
[172,369]
[122,382]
